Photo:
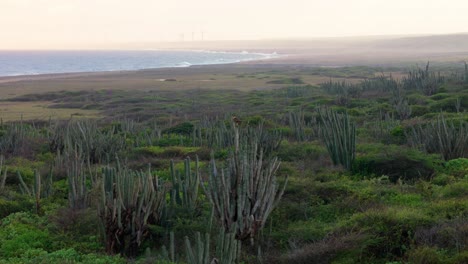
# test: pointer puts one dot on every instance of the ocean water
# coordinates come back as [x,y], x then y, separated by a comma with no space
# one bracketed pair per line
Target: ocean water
[15,63]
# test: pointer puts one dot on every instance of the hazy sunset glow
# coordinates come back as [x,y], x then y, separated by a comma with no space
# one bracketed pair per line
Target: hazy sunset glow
[49,24]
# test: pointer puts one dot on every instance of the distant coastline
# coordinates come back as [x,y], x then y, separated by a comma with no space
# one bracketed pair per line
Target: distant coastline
[21,64]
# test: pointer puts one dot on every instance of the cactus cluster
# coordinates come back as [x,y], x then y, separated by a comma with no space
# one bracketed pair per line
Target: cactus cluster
[339,134]
[448,138]
[245,190]
[380,83]
[400,103]
[95,144]
[78,188]
[185,185]
[297,124]
[227,249]
[40,188]
[424,80]
[14,136]
[131,201]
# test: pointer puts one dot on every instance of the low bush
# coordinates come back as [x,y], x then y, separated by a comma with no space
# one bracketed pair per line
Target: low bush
[391,230]
[396,162]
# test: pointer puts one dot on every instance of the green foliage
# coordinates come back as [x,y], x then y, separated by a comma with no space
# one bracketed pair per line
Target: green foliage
[426,255]
[21,232]
[66,256]
[300,151]
[12,203]
[399,204]
[395,162]
[167,152]
[456,167]
[184,128]
[391,230]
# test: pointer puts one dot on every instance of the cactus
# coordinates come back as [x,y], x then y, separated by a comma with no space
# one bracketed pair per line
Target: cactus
[185,185]
[381,83]
[245,191]
[227,249]
[400,103]
[446,138]
[77,187]
[131,201]
[343,90]
[95,144]
[36,190]
[297,124]
[423,79]
[339,135]
[14,139]
[201,253]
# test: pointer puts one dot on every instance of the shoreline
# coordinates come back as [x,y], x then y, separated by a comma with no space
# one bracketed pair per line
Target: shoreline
[60,75]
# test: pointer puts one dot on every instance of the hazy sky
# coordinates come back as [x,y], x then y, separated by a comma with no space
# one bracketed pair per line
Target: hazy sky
[96,23]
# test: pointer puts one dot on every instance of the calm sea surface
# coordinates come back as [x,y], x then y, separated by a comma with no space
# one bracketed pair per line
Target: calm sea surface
[14,63]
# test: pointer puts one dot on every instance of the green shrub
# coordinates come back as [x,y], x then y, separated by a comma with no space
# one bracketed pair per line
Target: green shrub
[443,179]
[457,167]
[184,128]
[419,110]
[440,96]
[300,151]
[21,232]
[167,152]
[456,189]
[64,256]
[396,162]
[426,255]
[391,230]
[14,203]
[398,135]
[448,209]
[447,105]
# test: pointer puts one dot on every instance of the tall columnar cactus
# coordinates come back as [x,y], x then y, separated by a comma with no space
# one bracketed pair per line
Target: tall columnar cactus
[227,249]
[201,253]
[185,185]
[96,144]
[447,138]
[131,201]
[245,191]
[400,103]
[13,139]
[78,189]
[36,190]
[339,135]
[423,79]
[297,124]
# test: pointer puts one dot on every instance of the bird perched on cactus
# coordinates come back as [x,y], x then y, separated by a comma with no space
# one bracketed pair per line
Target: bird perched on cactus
[236,120]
